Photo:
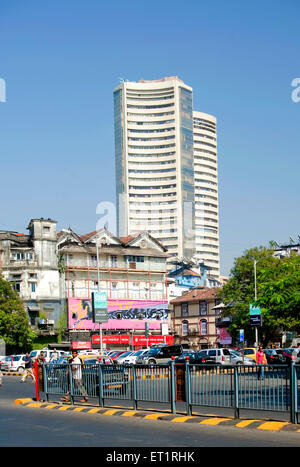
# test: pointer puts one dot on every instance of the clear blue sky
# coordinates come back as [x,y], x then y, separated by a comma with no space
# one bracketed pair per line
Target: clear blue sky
[61,61]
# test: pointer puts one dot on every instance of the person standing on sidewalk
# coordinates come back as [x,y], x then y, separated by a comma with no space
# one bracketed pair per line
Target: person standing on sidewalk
[75,364]
[260,360]
[28,369]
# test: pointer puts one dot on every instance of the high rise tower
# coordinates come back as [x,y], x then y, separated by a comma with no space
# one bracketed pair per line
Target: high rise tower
[206,191]
[154,156]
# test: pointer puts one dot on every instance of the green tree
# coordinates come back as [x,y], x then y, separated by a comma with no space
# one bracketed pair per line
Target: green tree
[14,324]
[278,282]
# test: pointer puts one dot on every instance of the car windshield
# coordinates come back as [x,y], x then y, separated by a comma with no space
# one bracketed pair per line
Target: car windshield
[248,351]
[235,353]
[125,354]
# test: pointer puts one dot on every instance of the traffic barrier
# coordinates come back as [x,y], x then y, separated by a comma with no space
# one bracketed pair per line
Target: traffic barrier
[235,387]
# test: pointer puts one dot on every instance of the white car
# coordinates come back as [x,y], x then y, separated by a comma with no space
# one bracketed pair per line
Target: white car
[120,360]
[237,358]
[131,359]
[47,354]
[17,363]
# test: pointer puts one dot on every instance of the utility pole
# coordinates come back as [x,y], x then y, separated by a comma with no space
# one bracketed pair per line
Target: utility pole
[255,296]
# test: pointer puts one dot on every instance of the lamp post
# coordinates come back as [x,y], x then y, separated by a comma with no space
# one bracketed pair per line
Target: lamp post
[98,274]
[255,296]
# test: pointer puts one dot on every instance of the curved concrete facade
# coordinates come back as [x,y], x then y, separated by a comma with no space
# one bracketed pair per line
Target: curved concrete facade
[206,191]
[156,148]
[154,160]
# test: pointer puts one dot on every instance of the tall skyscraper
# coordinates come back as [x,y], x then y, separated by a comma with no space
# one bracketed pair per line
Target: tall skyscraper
[155,158]
[206,191]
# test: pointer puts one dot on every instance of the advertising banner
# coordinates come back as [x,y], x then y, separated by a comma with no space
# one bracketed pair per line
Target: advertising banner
[122,314]
[225,337]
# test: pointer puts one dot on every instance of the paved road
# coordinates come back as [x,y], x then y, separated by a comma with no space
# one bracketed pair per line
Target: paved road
[24,426]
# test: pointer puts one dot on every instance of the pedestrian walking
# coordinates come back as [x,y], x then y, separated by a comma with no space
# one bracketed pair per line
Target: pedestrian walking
[54,356]
[28,369]
[260,360]
[1,376]
[76,365]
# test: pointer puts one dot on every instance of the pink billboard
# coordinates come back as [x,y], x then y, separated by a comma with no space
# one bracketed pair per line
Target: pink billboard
[122,314]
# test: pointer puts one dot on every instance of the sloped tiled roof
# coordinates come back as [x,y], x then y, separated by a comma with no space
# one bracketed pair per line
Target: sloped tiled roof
[196,294]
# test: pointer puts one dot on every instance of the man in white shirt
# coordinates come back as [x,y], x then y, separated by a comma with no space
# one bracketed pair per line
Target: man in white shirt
[54,355]
[75,364]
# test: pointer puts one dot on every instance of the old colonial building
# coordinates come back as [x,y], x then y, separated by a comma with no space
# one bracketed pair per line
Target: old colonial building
[131,270]
[193,318]
[29,263]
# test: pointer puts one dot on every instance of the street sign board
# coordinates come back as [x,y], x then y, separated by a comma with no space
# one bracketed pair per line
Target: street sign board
[241,335]
[99,304]
[254,310]
[255,320]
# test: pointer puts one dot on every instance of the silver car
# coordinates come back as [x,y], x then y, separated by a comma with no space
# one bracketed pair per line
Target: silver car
[237,358]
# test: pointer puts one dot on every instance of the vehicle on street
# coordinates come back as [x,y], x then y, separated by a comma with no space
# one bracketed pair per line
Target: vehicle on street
[196,357]
[274,357]
[4,363]
[131,359]
[237,358]
[47,354]
[182,357]
[17,363]
[160,355]
[222,356]
[287,354]
[116,354]
[251,353]
[120,359]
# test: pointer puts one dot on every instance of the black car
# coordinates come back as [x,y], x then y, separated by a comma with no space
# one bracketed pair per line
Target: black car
[187,353]
[160,355]
[195,357]
[287,354]
[274,357]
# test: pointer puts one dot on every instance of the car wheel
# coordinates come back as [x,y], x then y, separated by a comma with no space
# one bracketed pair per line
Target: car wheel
[20,369]
[152,362]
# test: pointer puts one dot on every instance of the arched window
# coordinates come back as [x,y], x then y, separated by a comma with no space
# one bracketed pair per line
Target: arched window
[185,327]
[203,327]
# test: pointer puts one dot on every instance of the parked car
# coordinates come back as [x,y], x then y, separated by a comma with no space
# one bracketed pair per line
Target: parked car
[17,363]
[47,354]
[182,357]
[196,357]
[237,358]
[251,353]
[4,363]
[274,357]
[287,354]
[222,356]
[160,355]
[116,354]
[120,359]
[131,359]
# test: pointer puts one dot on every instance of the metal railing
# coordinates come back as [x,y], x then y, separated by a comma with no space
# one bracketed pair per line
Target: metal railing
[235,387]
